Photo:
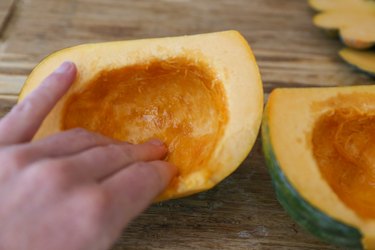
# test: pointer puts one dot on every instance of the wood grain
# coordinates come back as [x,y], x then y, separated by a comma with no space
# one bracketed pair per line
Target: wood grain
[242,212]
[6,11]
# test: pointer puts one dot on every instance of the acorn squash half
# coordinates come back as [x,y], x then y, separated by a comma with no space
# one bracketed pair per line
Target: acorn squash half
[354,19]
[361,60]
[319,145]
[200,94]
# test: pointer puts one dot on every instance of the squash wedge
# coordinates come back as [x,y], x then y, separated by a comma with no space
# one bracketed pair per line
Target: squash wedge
[201,94]
[355,20]
[319,145]
[361,60]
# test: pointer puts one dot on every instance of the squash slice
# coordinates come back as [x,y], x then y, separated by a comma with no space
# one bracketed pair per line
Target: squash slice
[319,145]
[362,60]
[200,94]
[355,20]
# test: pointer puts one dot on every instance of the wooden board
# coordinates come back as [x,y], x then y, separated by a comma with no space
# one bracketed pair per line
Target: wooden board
[242,212]
[6,10]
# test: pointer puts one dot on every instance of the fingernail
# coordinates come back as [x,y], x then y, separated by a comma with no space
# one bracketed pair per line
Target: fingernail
[156,142]
[64,67]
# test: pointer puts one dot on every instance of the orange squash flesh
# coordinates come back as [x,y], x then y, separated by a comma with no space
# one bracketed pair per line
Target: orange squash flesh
[344,147]
[200,94]
[177,101]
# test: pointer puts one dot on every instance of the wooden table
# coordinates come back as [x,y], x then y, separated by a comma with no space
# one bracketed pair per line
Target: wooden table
[242,212]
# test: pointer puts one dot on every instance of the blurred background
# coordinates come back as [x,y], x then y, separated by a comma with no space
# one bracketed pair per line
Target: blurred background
[242,212]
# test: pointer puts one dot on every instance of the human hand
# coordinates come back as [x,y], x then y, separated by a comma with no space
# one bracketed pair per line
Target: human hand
[75,189]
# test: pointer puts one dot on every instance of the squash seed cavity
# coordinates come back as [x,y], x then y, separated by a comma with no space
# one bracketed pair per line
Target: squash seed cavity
[178,101]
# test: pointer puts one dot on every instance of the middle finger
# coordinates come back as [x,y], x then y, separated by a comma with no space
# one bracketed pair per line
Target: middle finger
[100,162]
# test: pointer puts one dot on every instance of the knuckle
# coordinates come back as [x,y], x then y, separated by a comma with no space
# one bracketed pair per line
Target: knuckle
[52,173]
[123,151]
[84,135]
[26,105]
[14,158]
[114,152]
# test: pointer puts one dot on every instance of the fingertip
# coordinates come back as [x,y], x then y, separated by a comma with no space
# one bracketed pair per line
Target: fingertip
[73,68]
[66,67]
[27,116]
[173,170]
[166,170]
[60,80]
[66,73]
[156,142]
[157,146]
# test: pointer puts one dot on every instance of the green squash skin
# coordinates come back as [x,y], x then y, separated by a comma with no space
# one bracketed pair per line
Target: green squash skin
[306,215]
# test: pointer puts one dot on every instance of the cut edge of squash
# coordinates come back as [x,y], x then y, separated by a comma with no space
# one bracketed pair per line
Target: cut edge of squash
[361,60]
[345,33]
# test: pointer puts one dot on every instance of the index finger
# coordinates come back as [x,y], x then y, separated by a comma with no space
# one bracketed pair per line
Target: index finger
[22,122]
